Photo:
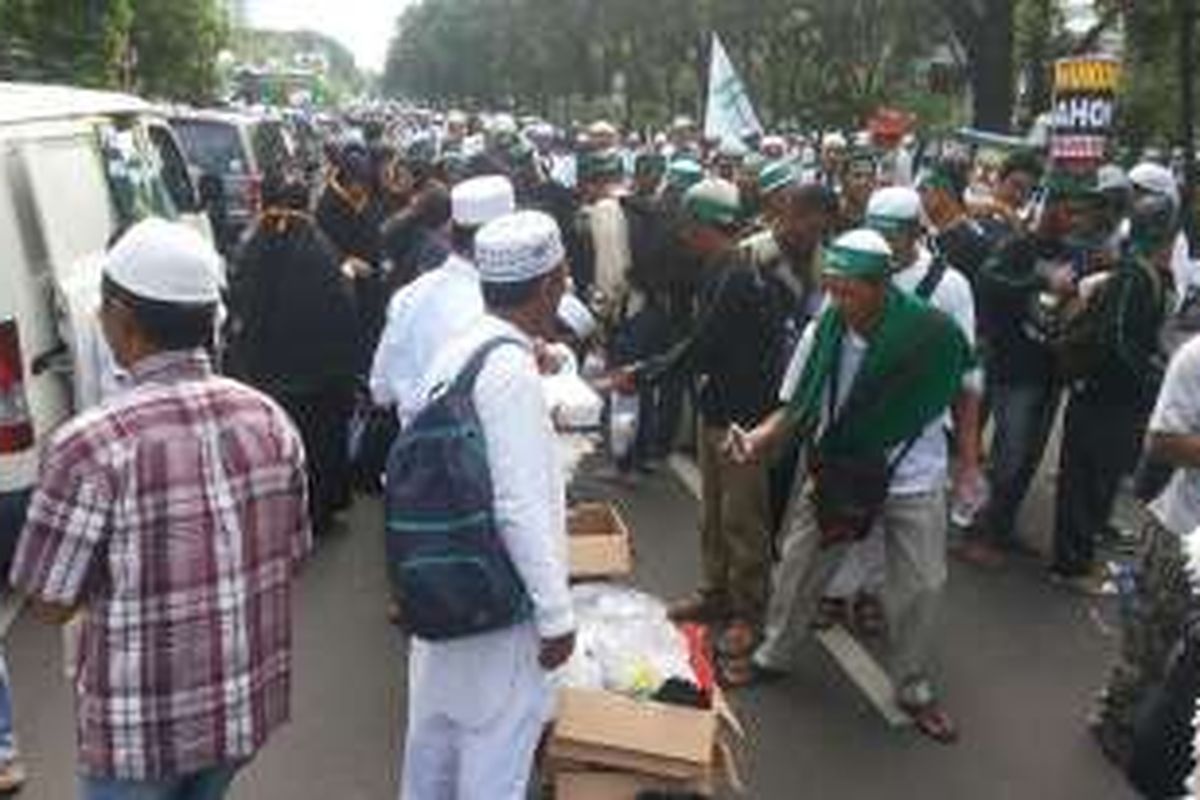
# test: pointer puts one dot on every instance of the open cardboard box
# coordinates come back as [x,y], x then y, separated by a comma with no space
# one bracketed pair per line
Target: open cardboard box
[588,784]
[599,542]
[605,742]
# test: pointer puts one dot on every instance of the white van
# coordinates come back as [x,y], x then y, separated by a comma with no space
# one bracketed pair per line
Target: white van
[76,167]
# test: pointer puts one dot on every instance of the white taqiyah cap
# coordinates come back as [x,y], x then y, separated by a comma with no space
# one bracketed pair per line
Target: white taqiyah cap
[833,139]
[893,206]
[1155,178]
[165,261]
[478,201]
[576,316]
[518,247]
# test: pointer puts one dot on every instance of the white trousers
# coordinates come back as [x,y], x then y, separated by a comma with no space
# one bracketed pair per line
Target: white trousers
[444,760]
[476,711]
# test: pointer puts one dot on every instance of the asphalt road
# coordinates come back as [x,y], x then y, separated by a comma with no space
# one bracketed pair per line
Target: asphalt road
[1018,663]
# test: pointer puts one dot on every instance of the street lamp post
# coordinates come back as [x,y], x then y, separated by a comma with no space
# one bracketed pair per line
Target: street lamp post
[1187,89]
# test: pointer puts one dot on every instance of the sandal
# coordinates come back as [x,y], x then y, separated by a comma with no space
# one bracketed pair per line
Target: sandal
[869,619]
[931,720]
[743,672]
[699,607]
[738,639]
[831,611]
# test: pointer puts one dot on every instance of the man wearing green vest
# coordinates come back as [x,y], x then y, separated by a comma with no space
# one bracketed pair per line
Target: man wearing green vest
[871,377]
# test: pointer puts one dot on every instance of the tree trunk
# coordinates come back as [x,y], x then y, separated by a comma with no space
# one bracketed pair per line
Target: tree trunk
[991,55]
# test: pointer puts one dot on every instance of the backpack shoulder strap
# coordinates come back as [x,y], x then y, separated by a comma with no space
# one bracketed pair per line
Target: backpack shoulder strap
[465,380]
[933,278]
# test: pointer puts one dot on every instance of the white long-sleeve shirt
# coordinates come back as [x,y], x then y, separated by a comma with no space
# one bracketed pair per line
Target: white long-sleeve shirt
[924,467]
[422,317]
[466,678]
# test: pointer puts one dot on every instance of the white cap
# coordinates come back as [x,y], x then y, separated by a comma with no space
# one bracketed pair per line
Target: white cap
[478,201]
[165,261]
[732,147]
[1156,179]
[833,139]
[518,247]
[899,203]
[576,316]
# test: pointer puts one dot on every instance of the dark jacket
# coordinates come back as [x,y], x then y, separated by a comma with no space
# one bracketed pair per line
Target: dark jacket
[294,308]
[736,349]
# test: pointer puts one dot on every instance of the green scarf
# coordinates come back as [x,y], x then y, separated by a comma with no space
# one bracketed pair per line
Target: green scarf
[884,415]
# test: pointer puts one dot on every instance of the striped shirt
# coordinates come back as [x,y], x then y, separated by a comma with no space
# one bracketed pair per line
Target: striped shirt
[175,515]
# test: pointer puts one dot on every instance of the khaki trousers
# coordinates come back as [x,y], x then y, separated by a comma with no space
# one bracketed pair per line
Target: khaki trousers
[914,531]
[734,528]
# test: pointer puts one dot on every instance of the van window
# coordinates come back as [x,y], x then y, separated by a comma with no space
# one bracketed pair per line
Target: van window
[174,168]
[273,147]
[212,146]
[134,182]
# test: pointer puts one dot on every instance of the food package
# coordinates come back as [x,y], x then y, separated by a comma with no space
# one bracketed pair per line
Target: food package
[625,643]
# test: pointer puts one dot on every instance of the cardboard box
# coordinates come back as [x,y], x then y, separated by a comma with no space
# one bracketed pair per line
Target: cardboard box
[598,785]
[599,542]
[605,745]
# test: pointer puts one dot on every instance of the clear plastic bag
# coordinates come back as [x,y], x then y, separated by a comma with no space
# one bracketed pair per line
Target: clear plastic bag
[625,642]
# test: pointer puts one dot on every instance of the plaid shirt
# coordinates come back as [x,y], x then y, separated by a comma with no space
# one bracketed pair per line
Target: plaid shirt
[176,514]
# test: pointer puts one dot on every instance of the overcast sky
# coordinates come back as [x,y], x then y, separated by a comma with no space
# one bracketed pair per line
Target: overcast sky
[364,26]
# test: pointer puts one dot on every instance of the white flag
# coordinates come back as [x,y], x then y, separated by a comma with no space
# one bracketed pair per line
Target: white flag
[730,114]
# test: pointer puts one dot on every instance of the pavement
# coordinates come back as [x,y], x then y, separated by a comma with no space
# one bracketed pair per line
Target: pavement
[1018,662]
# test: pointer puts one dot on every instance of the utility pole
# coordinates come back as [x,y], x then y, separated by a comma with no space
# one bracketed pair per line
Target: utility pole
[1187,90]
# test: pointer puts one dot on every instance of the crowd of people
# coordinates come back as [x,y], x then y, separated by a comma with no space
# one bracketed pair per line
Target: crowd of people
[843,320]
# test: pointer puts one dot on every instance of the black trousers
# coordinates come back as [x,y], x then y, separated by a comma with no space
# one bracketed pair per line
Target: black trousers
[322,416]
[1101,442]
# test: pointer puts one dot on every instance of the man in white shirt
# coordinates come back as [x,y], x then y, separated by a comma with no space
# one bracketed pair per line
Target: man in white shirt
[440,304]
[895,213]
[478,705]
[854,371]
[1164,597]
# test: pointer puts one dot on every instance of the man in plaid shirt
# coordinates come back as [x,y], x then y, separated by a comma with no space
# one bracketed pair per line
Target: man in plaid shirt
[174,516]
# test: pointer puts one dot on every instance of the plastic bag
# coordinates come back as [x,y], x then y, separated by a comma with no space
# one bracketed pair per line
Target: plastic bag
[625,643]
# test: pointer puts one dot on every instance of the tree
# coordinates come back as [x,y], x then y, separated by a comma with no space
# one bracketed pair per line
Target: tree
[826,60]
[176,45]
[166,48]
[985,30]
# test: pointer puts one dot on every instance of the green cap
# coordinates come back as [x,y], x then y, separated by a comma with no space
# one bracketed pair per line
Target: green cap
[685,173]
[775,175]
[861,253]
[646,163]
[713,202]
[605,164]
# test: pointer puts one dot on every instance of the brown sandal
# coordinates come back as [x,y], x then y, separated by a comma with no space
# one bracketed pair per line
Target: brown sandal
[931,720]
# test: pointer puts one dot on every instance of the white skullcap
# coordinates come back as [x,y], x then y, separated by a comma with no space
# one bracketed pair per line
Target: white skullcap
[478,201]
[833,139]
[732,147]
[1156,179]
[895,203]
[576,316]
[503,124]
[1111,178]
[518,247]
[165,261]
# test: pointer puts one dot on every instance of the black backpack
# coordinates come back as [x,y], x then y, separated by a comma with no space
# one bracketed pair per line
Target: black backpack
[448,565]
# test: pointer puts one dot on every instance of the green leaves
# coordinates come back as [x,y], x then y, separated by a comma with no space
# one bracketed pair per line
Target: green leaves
[163,48]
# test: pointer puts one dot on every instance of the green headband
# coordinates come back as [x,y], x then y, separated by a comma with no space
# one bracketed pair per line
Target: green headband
[685,173]
[711,212]
[888,224]
[775,176]
[848,263]
[938,179]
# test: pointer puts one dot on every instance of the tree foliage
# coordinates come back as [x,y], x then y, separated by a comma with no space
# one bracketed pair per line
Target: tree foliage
[805,60]
[164,48]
